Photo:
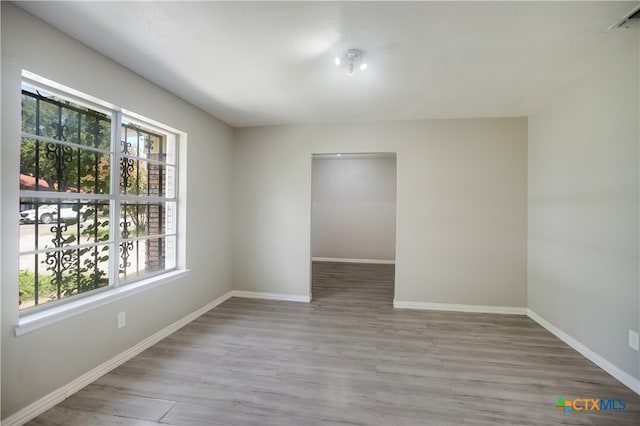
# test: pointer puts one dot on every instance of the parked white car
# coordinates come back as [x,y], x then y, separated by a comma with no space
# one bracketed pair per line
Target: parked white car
[48,212]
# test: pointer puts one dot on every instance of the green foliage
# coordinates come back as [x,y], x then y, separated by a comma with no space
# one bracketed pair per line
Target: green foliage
[47,287]
[27,286]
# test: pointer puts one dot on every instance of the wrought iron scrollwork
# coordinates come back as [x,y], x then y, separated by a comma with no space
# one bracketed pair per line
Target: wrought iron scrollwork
[57,230]
[125,224]
[125,252]
[60,156]
[61,130]
[148,144]
[60,261]
[126,247]
[127,166]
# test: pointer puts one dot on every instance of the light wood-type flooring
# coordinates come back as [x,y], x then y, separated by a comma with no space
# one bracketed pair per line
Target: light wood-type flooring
[348,358]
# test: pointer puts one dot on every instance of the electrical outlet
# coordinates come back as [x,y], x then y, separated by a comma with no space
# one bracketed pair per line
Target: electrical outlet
[633,340]
[122,319]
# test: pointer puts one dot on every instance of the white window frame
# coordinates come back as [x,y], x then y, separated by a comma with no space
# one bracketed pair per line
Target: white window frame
[40,316]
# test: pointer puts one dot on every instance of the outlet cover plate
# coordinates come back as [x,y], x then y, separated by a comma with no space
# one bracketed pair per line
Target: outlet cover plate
[633,340]
[122,319]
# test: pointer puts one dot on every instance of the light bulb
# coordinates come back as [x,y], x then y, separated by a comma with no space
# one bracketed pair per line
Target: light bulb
[337,61]
[363,67]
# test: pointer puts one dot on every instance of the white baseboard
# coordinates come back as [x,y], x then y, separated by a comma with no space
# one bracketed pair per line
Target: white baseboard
[623,377]
[271,296]
[36,408]
[483,309]
[50,400]
[342,259]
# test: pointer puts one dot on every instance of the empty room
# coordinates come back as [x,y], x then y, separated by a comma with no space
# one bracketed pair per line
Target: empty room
[320,213]
[353,228]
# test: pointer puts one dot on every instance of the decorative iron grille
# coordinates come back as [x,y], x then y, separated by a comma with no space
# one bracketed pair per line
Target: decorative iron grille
[98,201]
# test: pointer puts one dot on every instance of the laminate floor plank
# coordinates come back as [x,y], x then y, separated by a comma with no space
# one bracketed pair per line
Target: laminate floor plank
[348,358]
[99,399]
[61,416]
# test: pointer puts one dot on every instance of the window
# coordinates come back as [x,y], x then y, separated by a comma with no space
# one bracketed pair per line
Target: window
[98,198]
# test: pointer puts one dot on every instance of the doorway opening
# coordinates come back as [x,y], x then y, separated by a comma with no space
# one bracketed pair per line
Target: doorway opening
[353,228]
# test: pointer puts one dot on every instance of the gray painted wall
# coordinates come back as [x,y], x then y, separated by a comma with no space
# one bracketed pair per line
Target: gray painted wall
[583,213]
[39,362]
[461,206]
[353,208]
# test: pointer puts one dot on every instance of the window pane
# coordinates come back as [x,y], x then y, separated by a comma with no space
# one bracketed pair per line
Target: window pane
[28,154]
[171,150]
[49,166]
[56,118]
[60,274]
[141,178]
[29,114]
[62,223]
[144,143]
[96,131]
[170,182]
[170,212]
[170,253]
[48,121]
[142,257]
[144,219]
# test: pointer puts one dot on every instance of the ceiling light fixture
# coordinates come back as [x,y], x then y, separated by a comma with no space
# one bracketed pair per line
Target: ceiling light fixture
[352,58]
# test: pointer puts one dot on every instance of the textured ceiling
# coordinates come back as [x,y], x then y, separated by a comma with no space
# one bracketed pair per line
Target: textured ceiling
[261,63]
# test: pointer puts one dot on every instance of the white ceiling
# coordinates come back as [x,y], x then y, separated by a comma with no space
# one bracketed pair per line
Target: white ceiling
[261,63]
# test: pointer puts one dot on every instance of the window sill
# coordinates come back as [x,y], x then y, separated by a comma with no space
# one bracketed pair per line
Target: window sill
[34,321]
